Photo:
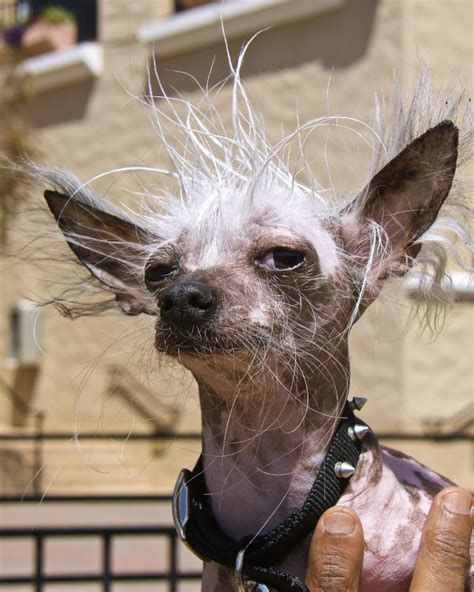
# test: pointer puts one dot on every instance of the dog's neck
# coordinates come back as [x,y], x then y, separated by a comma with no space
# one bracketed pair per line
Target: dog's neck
[262,453]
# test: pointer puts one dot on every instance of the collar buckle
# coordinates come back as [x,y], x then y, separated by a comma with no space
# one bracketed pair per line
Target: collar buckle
[181,505]
[244,585]
[181,508]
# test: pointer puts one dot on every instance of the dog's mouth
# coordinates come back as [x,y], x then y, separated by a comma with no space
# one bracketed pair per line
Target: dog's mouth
[210,341]
[174,343]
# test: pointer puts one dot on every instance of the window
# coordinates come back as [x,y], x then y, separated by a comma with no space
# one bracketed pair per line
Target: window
[14,344]
[180,5]
[85,12]
[23,321]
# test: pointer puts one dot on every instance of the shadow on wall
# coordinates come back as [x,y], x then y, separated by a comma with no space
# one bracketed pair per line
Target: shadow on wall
[61,105]
[336,39]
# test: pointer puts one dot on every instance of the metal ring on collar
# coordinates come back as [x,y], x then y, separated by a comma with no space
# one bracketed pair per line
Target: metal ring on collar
[242,584]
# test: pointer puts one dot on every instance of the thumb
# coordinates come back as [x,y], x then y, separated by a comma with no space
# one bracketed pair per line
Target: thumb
[335,556]
[443,559]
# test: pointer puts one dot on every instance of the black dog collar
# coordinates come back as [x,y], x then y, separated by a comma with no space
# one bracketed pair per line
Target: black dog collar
[253,557]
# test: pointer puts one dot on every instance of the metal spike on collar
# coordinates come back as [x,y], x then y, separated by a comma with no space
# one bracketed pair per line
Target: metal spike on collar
[343,470]
[357,403]
[358,432]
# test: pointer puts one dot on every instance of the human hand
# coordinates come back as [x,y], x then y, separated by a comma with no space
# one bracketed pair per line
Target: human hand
[335,556]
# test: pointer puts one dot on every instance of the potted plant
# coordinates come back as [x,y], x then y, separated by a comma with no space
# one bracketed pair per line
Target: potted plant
[54,29]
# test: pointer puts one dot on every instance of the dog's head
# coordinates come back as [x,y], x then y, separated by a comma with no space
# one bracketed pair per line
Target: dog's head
[258,274]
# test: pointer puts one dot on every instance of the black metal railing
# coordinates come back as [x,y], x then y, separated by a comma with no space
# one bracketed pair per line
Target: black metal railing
[431,436]
[41,440]
[106,576]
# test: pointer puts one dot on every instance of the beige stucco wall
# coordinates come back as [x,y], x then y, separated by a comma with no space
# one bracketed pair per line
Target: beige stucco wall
[333,62]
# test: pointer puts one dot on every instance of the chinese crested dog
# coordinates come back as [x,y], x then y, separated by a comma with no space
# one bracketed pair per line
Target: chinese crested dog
[254,280]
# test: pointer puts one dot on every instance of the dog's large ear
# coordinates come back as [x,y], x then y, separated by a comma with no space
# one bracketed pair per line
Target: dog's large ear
[404,198]
[111,247]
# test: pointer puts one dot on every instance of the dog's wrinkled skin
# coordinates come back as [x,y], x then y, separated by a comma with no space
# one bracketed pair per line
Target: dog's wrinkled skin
[271,355]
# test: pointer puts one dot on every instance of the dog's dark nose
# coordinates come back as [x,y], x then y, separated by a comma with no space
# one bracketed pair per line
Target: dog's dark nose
[186,304]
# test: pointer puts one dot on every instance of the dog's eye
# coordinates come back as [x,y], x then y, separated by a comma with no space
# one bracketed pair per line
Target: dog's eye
[155,274]
[281,259]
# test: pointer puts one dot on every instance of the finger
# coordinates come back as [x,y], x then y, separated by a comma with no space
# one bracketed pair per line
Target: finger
[335,556]
[443,559]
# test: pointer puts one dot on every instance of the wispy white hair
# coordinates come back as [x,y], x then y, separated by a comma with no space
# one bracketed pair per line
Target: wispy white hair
[398,122]
[222,174]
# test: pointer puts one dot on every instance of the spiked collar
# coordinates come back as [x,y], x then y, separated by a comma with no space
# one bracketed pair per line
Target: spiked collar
[253,557]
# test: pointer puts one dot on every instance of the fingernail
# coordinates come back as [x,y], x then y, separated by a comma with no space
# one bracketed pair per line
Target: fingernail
[458,502]
[339,523]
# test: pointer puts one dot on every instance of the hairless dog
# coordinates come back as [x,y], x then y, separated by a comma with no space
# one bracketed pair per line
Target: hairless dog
[255,280]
